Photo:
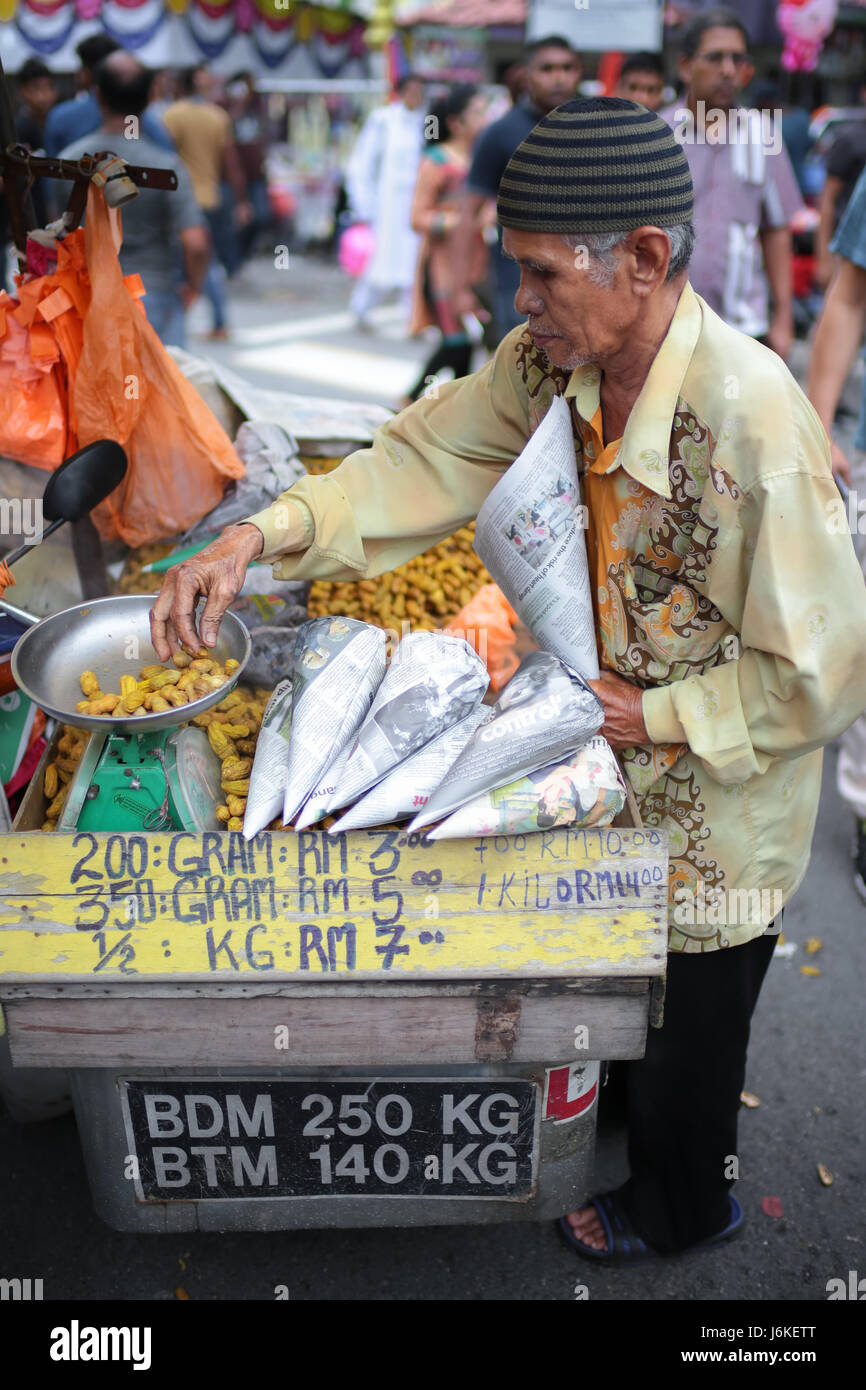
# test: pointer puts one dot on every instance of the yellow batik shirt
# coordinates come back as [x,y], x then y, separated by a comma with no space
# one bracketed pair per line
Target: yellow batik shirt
[724,585]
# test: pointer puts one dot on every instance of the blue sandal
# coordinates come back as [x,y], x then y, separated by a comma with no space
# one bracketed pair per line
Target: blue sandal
[624,1245]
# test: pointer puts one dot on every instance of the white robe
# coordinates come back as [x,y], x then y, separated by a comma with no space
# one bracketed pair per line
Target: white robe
[380,182]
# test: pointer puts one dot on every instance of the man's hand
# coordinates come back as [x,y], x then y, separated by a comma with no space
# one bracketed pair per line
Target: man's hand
[217,571]
[623,725]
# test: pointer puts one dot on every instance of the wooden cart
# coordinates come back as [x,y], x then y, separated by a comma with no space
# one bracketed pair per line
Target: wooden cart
[306,1030]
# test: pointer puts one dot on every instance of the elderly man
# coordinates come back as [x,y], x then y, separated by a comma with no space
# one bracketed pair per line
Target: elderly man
[731,621]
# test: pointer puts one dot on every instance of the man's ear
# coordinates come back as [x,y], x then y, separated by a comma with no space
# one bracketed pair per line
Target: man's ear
[684,68]
[650,251]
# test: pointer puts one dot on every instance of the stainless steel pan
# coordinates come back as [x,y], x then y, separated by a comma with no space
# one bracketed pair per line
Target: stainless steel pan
[111,637]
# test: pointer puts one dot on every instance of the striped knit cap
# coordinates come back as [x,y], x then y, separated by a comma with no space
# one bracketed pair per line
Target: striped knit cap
[602,165]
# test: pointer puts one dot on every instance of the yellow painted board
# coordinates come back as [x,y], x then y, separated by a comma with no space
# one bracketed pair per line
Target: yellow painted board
[364,905]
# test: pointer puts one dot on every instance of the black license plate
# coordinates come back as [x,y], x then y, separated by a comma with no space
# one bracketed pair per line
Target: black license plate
[197,1139]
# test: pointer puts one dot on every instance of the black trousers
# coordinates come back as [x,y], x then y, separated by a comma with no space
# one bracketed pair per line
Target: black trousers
[683,1097]
[457,356]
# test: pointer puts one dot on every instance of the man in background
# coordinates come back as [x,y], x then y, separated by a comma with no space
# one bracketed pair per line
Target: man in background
[642,78]
[36,96]
[69,120]
[745,190]
[202,131]
[838,338]
[553,70]
[161,228]
[845,162]
[380,183]
[247,110]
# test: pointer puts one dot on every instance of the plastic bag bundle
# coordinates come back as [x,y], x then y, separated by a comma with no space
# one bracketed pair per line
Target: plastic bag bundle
[546,712]
[433,681]
[268,773]
[585,789]
[409,785]
[338,667]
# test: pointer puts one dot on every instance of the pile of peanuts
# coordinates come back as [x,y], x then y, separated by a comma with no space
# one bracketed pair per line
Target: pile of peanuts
[232,729]
[59,772]
[157,688]
[427,591]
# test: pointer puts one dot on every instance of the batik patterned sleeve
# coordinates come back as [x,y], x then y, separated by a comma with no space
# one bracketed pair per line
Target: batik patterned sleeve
[787,579]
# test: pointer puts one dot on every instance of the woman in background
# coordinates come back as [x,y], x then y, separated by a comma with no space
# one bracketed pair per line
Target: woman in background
[454,123]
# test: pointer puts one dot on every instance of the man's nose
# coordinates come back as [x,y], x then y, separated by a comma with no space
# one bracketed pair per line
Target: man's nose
[525,302]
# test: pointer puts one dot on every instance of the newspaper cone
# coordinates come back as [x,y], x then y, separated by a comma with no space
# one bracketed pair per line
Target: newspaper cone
[408,786]
[546,712]
[315,808]
[268,774]
[585,789]
[433,681]
[339,664]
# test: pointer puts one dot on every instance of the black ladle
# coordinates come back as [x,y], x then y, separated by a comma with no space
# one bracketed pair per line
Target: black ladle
[78,485]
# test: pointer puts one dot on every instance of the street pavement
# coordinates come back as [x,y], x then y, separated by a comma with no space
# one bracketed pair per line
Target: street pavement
[807,1063]
[290,328]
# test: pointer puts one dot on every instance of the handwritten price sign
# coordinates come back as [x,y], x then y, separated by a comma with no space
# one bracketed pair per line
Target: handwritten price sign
[312,906]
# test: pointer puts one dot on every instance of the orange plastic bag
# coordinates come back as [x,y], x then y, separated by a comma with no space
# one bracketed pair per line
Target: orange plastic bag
[128,388]
[33,417]
[486,622]
[41,337]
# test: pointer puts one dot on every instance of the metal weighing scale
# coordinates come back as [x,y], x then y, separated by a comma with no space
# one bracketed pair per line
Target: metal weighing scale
[136,773]
[145,782]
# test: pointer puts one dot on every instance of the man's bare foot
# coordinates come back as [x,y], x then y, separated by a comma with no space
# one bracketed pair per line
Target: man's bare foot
[586,1224]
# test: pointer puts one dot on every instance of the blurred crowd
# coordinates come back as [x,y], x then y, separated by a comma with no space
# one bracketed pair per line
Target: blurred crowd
[213,133]
[414,208]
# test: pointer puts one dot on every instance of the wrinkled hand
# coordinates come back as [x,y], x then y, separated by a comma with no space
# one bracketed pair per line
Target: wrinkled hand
[217,571]
[623,725]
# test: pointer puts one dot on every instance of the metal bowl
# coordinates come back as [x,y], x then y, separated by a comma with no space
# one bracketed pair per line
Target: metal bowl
[111,637]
